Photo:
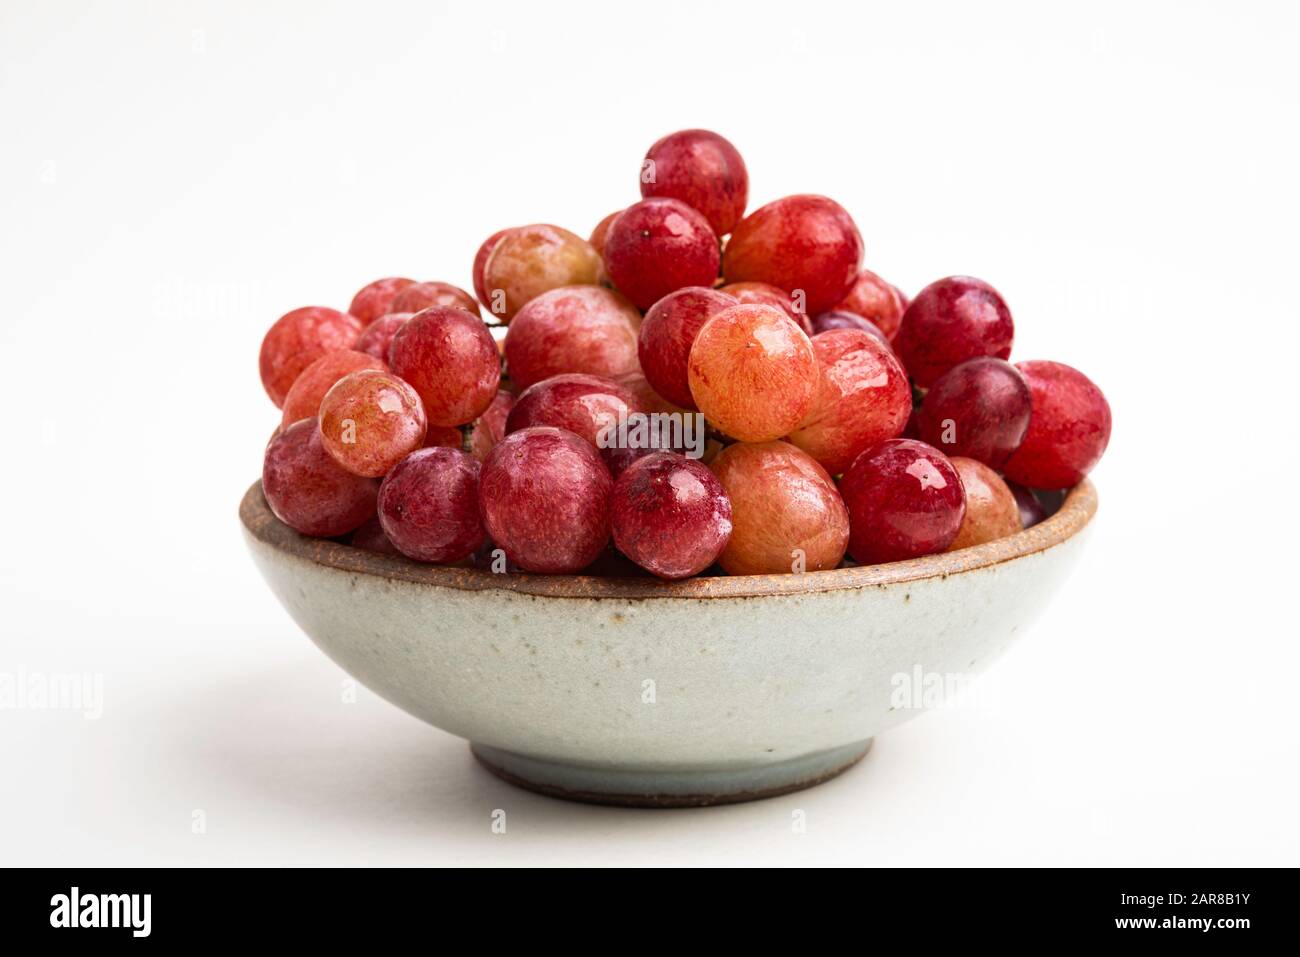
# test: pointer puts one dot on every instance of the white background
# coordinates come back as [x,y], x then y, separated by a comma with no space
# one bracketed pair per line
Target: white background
[174,176]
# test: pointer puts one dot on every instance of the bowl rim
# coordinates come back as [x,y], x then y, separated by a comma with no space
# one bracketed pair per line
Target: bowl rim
[1074,514]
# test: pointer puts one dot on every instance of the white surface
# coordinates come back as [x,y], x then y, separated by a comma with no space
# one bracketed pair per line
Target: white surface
[175,176]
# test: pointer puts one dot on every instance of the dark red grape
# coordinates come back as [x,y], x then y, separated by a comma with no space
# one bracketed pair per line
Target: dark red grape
[667,332]
[950,321]
[450,358]
[704,171]
[428,506]
[308,490]
[670,515]
[905,500]
[978,409]
[1069,427]
[658,246]
[544,498]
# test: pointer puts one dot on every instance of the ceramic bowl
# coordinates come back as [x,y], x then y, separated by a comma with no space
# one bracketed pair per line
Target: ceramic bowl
[640,692]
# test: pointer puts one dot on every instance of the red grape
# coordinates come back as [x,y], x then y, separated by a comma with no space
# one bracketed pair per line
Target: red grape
[450,358]
[370,421]
[978,409]
[422,295]
[378,336]
[785,512]
[950,321]
[544,498]
[862,398]
[991,510]
[1069,427]
[803,242]
[587,405]
[765,294]
[572,329]
[877,301]
[658,246]
[376,298]
[842,319]
[753,373]
[905,500]
[530,260]
[480,263]
[308,490]
[598,234]
[670,515]
[1031,509]
[667,332]
[443,436]
[490,427]
[428,506]
[701,169]
[298,339]
[304,397]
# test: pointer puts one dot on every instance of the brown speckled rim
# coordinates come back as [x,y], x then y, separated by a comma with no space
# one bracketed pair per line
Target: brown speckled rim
[1075,512]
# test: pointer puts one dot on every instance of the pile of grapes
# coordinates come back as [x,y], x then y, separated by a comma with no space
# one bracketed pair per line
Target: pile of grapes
[704,390]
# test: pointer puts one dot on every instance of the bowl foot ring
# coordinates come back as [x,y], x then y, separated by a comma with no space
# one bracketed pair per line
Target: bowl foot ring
[630,787]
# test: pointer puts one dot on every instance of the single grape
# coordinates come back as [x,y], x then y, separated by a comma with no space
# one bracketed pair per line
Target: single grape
[423,295]
[950,321]
[376,338]
[443,436]
[544,498]
[765,294]
[753,373]
[877,301]
[1069,427]
[1031,510]
[704,171]
[370,421]
[572,329]
[376,298]
[786,515]
[480,263]
[658,246]
[799,243]
[905,500]
[298,339]
[598,234]
[991,509]
[304,397]
[670,515]
[842,319]
[530,260]
[428,506]
[588,406]
[978,409]
[667,332]
[490,427]
[451,360]
[862,398]
[308,490]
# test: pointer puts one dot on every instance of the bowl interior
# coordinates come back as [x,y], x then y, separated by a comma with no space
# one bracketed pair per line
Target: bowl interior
[1077,509]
